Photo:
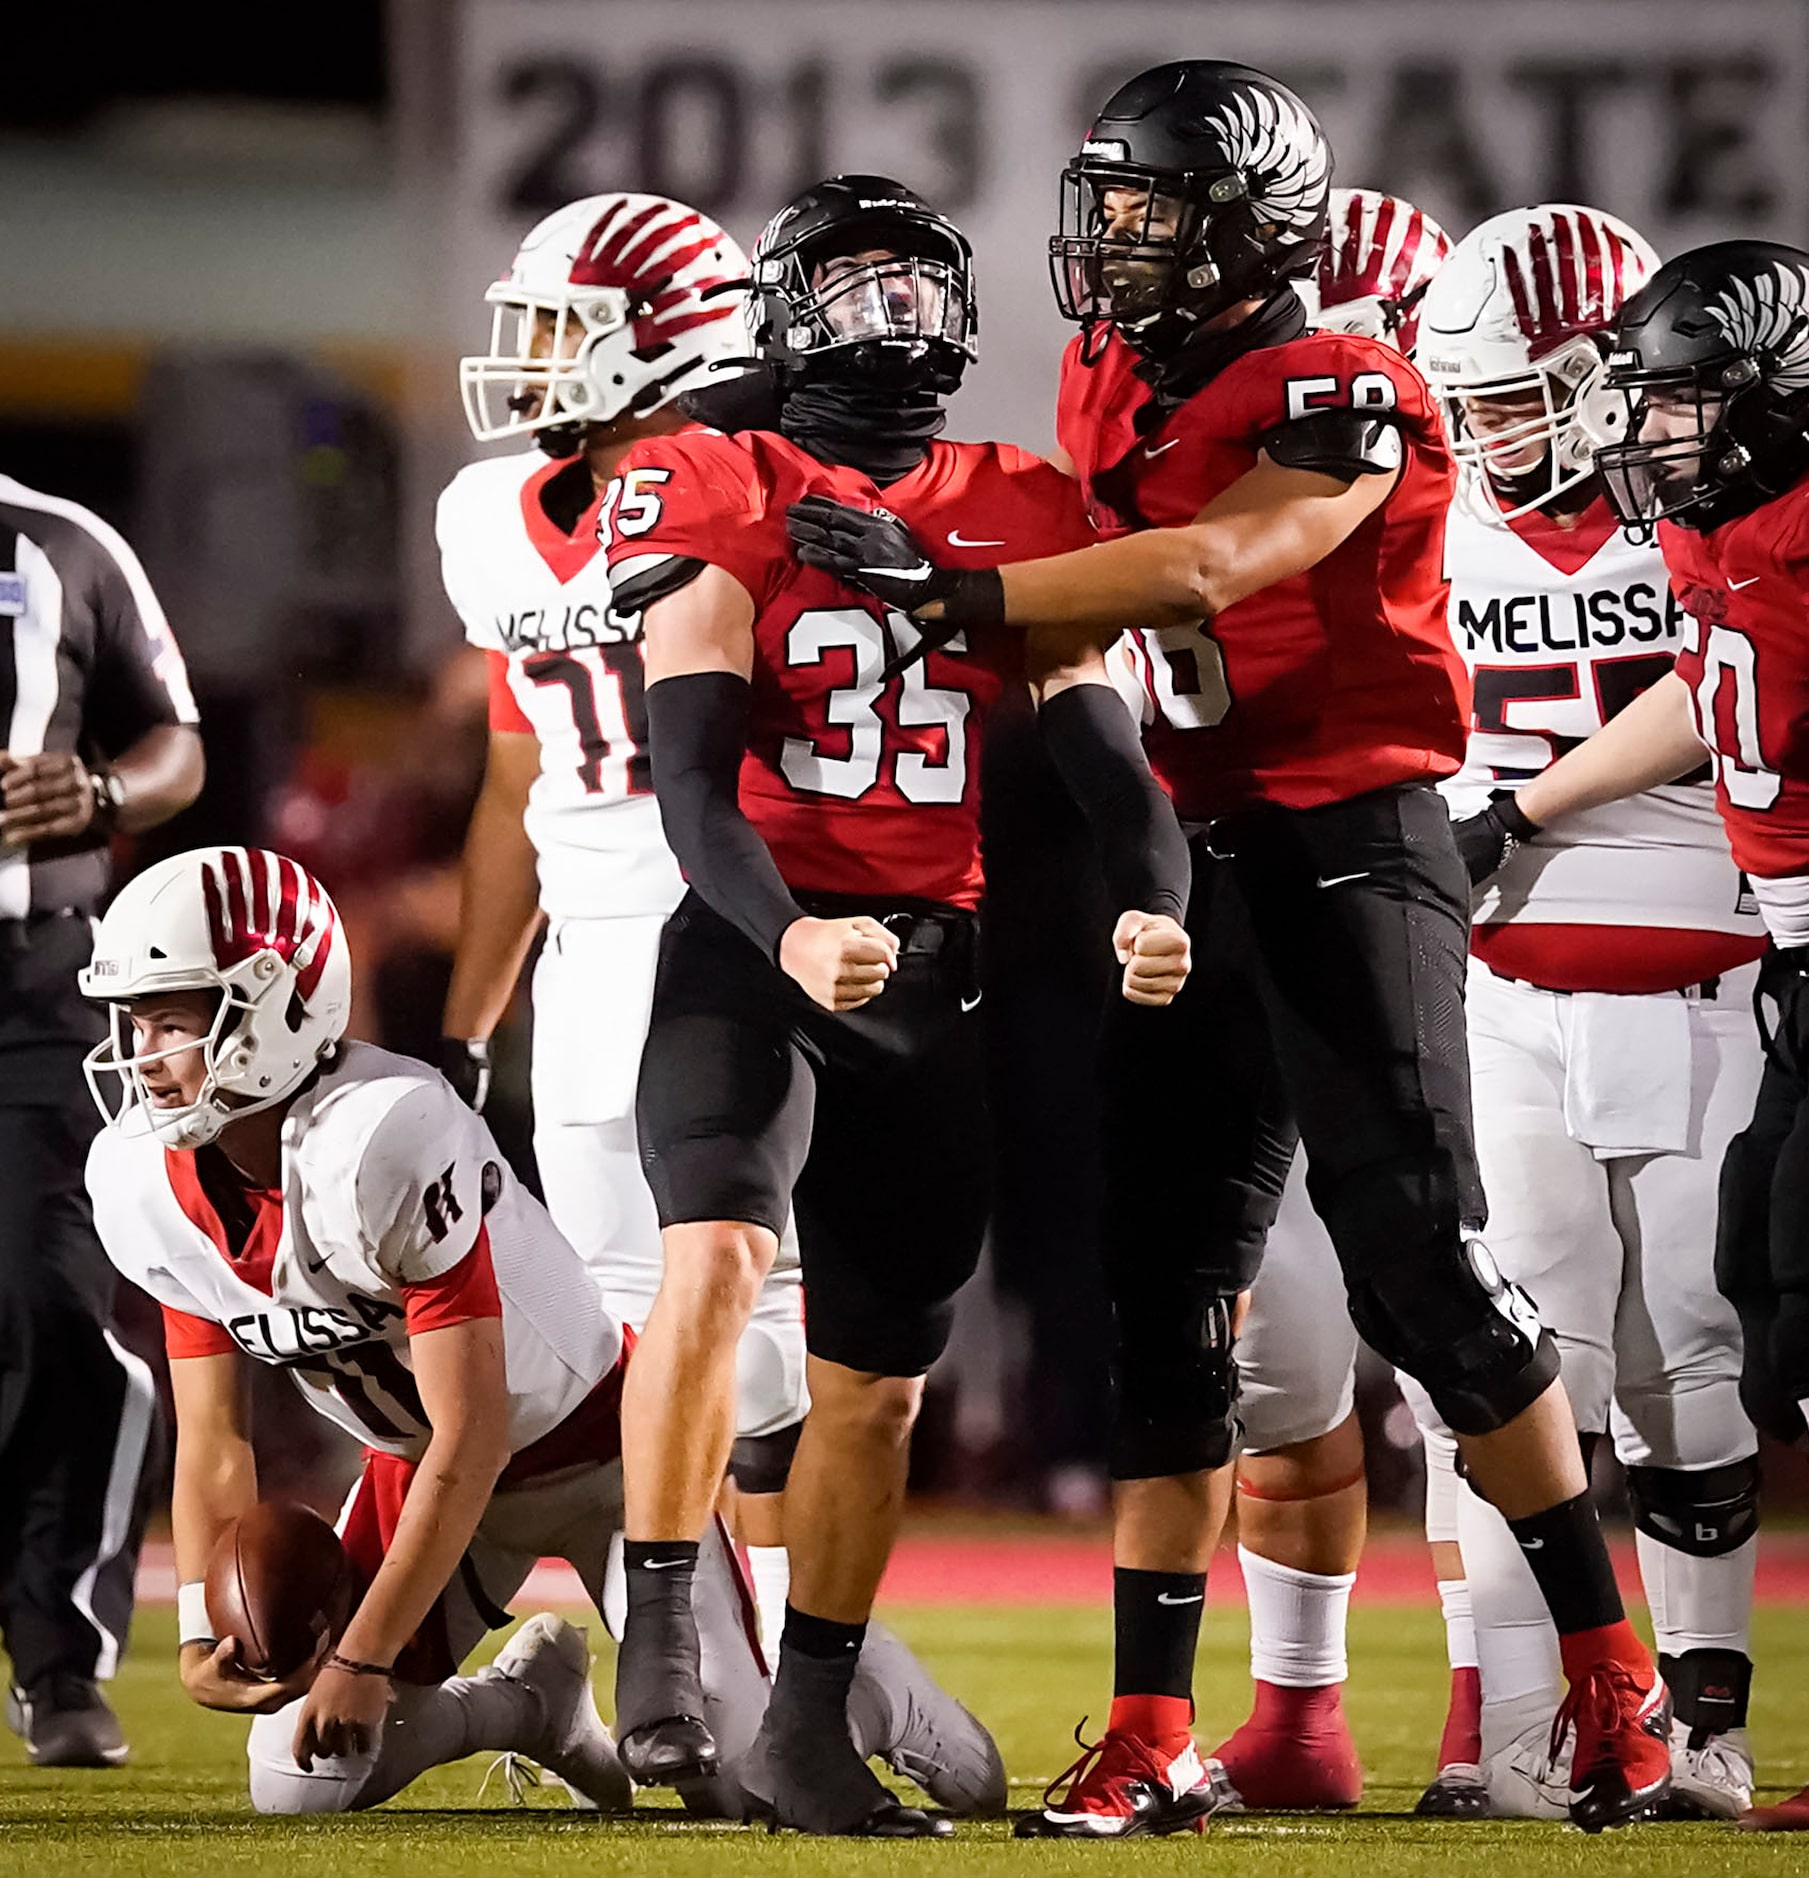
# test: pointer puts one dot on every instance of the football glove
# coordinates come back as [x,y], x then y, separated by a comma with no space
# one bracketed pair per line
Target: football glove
[465,1063]
[878,554]
[1488,840]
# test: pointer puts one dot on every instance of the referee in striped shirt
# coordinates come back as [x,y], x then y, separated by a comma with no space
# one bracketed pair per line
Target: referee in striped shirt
[97,735]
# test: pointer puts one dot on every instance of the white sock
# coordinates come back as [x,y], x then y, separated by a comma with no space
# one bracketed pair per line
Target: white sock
[1297,1623]
[1460,1622]
[1698,1603]
[1516,1641]
[770,1568]
[1441,1486]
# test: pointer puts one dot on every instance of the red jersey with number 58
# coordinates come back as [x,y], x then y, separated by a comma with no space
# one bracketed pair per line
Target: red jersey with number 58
[1337,681]
[857,786]
[1747,586]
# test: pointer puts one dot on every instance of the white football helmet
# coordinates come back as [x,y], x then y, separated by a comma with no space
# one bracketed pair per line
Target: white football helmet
[614,304]
[1379,258]
[254,927]
[1520,315]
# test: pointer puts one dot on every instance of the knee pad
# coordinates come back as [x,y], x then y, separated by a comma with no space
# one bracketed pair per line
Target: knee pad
[1176,1382]
[1441,1310]
[1707,1512]
[760,1463]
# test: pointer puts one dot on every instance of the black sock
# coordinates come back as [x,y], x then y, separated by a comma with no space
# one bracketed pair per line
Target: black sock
[657,1666]
[1709,1690]
[817,1661]
[1156,1626]
[1568,1556]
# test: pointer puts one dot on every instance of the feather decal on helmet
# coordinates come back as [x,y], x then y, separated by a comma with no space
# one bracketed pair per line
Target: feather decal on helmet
[1769,315]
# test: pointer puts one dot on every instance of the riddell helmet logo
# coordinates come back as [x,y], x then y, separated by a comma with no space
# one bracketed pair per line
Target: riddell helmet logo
[1108,149]
[104,968]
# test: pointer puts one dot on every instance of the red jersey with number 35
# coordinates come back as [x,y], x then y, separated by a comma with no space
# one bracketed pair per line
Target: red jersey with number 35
[1337,681]
[1747,586]
[857,787]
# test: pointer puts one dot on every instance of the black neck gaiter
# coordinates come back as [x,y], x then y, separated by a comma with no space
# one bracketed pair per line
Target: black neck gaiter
[884,433]
[1193,363]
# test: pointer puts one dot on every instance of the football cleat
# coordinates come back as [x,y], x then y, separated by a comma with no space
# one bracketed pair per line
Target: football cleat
[817,1784]
[1711,1774]
[1125,1787]
[669,1752]
[897,1711]
[551,1658]
[1456,1792]
[1791,1815]
[64,1721]
[1621,1767]
[1305,1764]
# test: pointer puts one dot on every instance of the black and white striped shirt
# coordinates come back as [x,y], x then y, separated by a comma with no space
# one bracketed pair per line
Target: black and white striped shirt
[87,663]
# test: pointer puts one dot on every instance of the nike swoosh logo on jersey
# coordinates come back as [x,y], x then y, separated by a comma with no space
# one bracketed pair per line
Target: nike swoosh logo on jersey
[1532,1545]
[1198,1597]
[314,1265]
[955,541]
[1338,880]
[973,1003]
[1156,449]
[1734,586]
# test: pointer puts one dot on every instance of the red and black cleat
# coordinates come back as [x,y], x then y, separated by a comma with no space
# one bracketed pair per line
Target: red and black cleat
[1791,1815]
[1124,1787]
[1621,1768]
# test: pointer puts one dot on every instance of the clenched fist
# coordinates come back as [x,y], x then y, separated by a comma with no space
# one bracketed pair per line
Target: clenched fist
[840,963]
[1156,954]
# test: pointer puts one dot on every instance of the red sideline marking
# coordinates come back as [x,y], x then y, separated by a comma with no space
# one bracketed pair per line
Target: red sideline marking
[1020,1568]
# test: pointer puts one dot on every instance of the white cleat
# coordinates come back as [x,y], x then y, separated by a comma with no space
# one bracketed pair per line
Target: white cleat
[552,1659]
[1523,1779]
[1710,1781]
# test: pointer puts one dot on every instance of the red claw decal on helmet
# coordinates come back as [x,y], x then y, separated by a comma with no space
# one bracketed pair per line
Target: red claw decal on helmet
[641,251]
[1568,282]
[258,901]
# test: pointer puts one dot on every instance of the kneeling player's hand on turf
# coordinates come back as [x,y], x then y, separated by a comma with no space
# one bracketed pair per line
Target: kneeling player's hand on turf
[213,1677]
[1156,955]
[341,1716]
[840,963]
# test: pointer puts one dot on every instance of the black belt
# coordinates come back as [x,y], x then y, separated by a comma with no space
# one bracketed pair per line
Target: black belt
[1709,988]
[922,928]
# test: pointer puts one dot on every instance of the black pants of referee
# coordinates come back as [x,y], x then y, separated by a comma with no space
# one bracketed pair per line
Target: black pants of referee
[1326,996]
[1762,1245]
[78,1412]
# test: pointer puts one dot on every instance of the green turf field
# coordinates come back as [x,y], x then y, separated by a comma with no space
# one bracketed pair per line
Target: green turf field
[178,1810]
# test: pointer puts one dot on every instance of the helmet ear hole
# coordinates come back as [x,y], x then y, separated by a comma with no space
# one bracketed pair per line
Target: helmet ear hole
[297,1012]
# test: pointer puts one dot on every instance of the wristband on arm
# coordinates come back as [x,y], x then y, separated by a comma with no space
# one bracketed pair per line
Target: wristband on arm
[1099,755]
[193,1625]
[697,735]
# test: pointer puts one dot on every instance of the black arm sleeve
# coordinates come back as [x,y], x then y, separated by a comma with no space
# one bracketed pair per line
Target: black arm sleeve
[697,733]
[1095,748]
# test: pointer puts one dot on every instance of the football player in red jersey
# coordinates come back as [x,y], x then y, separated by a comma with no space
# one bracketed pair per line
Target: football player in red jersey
[1284,495]
[1712,356]
[812,1044]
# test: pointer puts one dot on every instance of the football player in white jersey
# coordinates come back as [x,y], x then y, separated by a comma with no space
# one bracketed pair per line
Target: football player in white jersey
[615,308]
[336,1211]
[1302,1495]
[1613,1046]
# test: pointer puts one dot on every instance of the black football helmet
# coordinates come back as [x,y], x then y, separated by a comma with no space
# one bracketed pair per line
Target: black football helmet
[820,312]
[1227,180]
[1712,357]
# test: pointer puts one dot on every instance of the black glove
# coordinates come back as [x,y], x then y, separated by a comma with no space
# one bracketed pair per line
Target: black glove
[1487,841]
[879,555]
[465,1063]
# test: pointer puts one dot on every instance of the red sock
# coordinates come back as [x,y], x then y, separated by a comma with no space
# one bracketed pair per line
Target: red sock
[1582,1650]
[1295,1711]
[1152,1717]
[1461,1743]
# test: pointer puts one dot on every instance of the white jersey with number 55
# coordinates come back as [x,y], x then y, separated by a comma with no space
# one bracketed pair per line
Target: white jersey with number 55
[522,565]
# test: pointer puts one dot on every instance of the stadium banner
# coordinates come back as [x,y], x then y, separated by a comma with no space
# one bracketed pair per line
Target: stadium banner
[1686,118]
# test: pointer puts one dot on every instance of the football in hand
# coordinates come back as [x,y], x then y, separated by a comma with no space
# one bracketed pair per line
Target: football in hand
[278,1581]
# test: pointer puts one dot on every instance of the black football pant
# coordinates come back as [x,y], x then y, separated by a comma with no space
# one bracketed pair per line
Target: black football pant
[1327,993]
[1762,1247]
[77,1411]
